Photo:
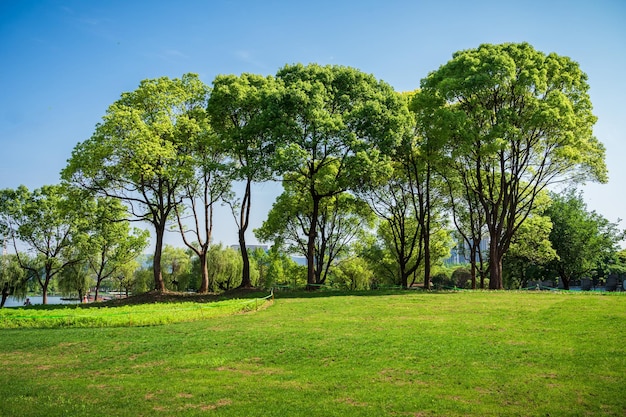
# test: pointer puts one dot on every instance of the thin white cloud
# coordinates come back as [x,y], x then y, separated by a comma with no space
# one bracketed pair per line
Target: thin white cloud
[248,58]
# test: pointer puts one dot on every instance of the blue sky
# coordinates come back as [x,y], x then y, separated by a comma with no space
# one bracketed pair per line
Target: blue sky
[64,62]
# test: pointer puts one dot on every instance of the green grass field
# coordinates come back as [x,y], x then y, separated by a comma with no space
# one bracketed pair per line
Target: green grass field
[326,354]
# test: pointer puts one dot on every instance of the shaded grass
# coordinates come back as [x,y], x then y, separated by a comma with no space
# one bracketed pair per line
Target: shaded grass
[402,354]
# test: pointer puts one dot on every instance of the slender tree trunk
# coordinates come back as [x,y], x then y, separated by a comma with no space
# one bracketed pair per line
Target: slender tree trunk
[426,229]
[44,289]
[473,267]
[427,256]
[244,218]
[310,250]
[159,284]
[245,282]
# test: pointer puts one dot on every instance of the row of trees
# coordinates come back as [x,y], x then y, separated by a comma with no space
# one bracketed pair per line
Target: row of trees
[58,230]
[574,244]
[480,143]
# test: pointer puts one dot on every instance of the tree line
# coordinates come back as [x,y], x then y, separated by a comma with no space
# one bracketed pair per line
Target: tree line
[371,177]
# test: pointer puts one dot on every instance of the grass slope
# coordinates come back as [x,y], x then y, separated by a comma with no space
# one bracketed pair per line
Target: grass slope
[397,354]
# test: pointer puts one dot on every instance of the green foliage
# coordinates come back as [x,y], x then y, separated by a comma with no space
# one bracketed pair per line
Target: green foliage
[140,153]
[514,120]
[176,265]
[13,278]
[109,245]
[340,128]
[584,241]
[461,277]
[352,274]
[75,280]
[530,249]
[225,265]
[48,222]
[341,219]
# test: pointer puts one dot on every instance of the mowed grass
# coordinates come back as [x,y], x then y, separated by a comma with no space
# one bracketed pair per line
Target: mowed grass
[366,354]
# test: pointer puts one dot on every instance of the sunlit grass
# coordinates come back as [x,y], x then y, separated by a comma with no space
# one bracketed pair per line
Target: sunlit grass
[369,354]
[114,316]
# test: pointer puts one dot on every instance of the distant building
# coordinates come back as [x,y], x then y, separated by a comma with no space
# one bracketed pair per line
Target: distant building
[460,253]
[251,248]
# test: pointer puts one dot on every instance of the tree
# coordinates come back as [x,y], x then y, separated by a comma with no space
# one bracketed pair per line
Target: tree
[582,239]
[110,244]
[242,116]
[353,273]
[13,278]
[469,220]
[226,265]
[75,279]
[515,120]
[339,127]
[176,263]
[210,183]
[424,167]
[340,219]
[139,153]
[530,250]
[396,204]
[46,221]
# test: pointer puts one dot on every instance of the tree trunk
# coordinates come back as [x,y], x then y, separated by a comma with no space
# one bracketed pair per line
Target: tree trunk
[310,249]
[245,276]
[404,276]
[243,226]
[426,230]
[427,256]
[495,266]
[5,294]
[473,270]
[45,292]
[159,284]
[204,268]
[565,280]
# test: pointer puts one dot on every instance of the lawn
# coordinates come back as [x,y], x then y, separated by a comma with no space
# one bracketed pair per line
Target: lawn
[327,354]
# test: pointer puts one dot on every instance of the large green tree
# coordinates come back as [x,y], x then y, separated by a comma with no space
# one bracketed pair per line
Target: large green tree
[515,120]
[340,127]
[139,153]
[243,117]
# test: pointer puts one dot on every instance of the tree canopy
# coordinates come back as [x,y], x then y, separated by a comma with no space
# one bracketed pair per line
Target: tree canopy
[139,154]
[515,120]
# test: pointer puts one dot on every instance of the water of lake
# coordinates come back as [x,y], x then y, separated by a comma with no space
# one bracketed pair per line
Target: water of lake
[13,302]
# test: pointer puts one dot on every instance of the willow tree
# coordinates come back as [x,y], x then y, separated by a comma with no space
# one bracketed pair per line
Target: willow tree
[515,120]
[339,129]
[139,154]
